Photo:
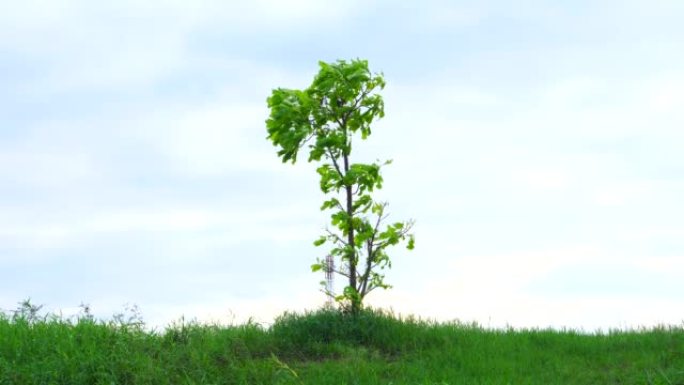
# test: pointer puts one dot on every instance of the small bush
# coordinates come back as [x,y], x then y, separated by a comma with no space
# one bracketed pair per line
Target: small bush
[328,333]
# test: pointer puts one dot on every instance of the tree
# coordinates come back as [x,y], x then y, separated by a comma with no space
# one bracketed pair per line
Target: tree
[341,102]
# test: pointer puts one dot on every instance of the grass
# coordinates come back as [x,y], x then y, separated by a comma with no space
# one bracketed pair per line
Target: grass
[327,347]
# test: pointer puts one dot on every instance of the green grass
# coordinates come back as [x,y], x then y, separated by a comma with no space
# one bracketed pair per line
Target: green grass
[327,347]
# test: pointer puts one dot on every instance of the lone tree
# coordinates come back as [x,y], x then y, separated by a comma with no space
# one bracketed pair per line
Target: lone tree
[341,102]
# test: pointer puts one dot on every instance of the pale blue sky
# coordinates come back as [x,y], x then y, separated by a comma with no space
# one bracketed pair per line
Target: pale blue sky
[536,143]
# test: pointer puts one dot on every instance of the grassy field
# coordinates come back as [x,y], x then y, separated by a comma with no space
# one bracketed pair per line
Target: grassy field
[326,347]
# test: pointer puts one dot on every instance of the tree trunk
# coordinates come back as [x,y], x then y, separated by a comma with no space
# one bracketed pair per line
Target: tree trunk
[355,303]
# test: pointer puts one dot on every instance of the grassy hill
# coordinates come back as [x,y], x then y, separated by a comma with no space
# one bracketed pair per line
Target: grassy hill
[326,347]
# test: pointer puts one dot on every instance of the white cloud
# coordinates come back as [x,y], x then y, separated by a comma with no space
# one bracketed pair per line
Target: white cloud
[623,193]
[26,21]
[664,95]
[446,15]
[494,291]
[541,180]
[44,168]
[230,225]
[665,266]
[215,139]
[591,107]
[130,44]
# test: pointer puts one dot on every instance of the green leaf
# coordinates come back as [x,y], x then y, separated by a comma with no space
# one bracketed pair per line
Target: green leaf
[331,203]
[319,241]
[350,292]
[316,267]
[411,243]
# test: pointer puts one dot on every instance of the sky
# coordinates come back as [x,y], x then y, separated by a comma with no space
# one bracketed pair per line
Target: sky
[537,145]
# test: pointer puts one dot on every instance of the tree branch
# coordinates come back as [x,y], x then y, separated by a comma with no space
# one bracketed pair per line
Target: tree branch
[335,164]
[355,106]
[337,237]
[371,250]
[340,272]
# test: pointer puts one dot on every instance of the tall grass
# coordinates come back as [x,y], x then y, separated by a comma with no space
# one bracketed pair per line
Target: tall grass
[328,347]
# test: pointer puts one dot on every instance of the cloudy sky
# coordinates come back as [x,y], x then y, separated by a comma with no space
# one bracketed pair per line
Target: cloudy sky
[537,144]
